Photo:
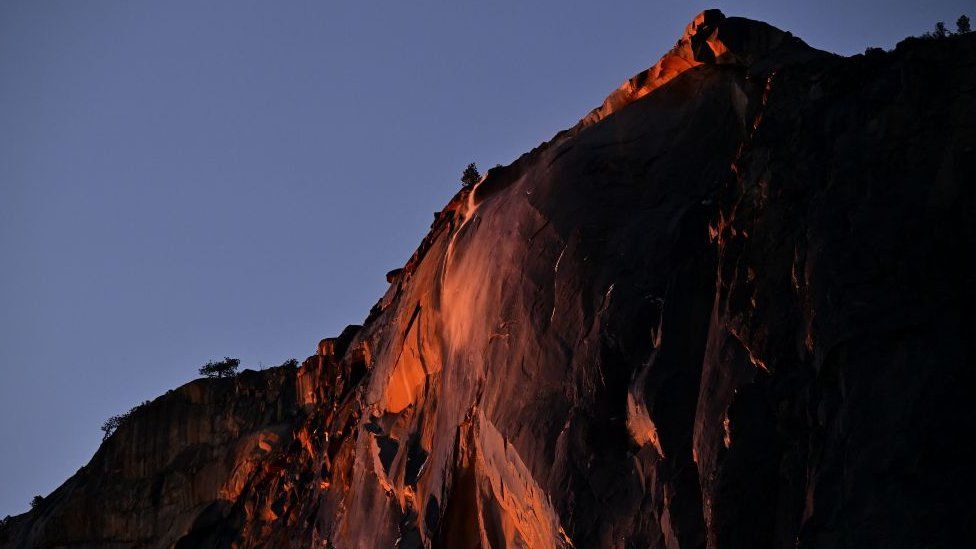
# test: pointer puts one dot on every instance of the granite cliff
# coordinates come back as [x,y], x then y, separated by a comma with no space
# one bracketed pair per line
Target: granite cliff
[732,307]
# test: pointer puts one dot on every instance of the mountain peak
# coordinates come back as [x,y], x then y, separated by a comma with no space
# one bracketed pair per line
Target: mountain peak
[710,38]
[686,326]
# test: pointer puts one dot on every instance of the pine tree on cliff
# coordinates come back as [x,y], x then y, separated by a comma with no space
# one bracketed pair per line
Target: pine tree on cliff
[225,368]
[111,425]
[470,175]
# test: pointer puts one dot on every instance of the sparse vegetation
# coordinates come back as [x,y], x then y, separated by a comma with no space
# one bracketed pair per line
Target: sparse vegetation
[290,363]
[470,175]
[873,51]
[224,368]
[36,501]
[940,31]
[113,423]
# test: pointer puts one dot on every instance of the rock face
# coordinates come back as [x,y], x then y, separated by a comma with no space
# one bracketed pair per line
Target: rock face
[174,470]
[730,308]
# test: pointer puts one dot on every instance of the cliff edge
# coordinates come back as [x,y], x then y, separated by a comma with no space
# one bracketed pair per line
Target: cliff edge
[729,308]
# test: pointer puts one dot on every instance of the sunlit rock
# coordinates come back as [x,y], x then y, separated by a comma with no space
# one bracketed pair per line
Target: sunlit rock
[730,308]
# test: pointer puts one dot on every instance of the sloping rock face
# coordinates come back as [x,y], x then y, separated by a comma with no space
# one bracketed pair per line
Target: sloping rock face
[730,308]
[177,466]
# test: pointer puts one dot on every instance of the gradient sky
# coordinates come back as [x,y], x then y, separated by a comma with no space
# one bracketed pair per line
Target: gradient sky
[180,181]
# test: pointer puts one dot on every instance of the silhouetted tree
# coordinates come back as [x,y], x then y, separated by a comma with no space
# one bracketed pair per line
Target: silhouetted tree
[290,363]
[35,501]
[112,424]
[940,30]
[962,24]
[224,368]
[470,175]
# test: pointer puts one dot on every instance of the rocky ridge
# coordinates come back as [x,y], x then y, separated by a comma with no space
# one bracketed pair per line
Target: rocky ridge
[729,308]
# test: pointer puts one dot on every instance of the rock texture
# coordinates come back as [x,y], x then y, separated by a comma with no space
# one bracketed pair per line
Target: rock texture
[730,308]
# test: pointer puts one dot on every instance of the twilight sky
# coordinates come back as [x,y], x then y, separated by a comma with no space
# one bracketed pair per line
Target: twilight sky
[180,181]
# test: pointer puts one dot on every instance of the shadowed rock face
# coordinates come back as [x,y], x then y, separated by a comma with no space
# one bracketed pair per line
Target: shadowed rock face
[730,308]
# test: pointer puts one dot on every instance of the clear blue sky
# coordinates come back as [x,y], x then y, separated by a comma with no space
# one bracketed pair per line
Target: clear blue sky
[180,181]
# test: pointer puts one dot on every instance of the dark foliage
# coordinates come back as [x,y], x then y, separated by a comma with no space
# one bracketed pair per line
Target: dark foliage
[113,423]
[225,368]
[470,175]
[940,30]
[290,363]
[36,501]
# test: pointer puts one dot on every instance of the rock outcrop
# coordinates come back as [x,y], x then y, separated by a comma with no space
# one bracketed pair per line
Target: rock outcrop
[730,308]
